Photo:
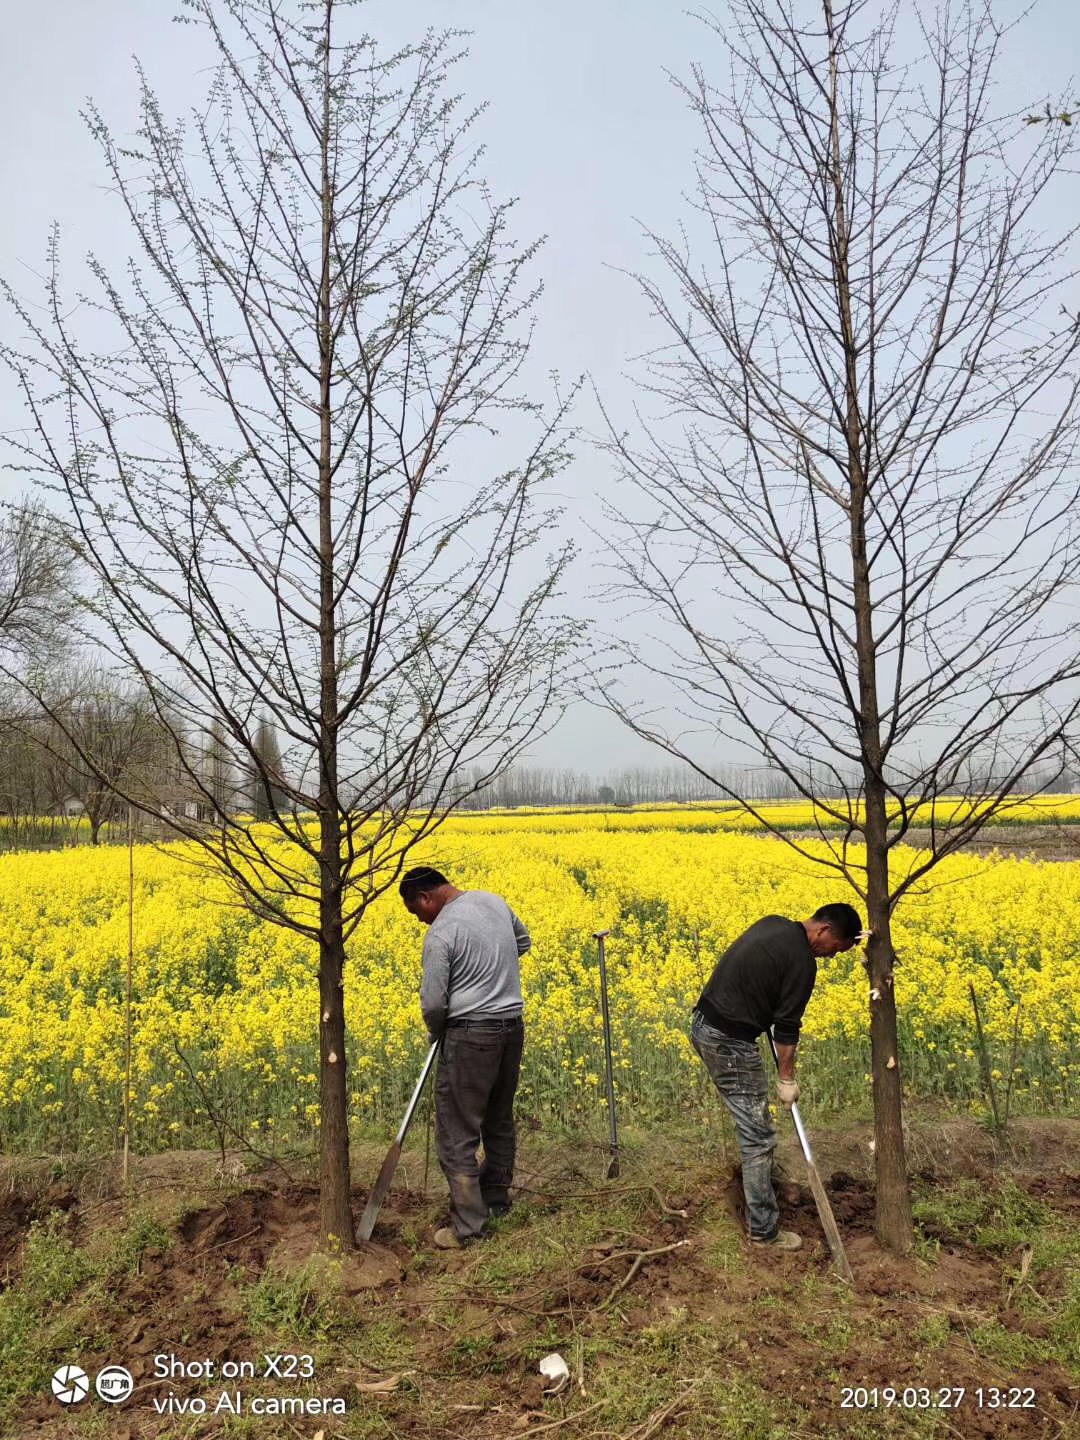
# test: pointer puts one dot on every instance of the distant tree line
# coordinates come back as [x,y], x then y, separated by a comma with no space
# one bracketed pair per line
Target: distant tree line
[534,785]
[65,769]
[524,785]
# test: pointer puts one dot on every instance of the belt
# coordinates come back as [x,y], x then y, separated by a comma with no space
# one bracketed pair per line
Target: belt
[490,1021]
[733,1029]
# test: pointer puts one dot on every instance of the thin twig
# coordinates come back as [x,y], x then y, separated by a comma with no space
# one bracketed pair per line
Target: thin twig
[653,1422]
[232,1240]
[222,1124]
[642,1256]
[566,1420]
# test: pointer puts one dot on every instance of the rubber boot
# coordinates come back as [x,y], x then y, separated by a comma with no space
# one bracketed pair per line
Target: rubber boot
[495,1188]
[468,1213]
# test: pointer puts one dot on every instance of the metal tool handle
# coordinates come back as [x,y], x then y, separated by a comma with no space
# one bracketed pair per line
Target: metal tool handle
[411,1110]
[821,1199]
[803,1141]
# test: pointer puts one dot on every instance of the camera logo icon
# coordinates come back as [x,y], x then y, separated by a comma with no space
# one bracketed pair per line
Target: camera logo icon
[70,1384]
[114,1384]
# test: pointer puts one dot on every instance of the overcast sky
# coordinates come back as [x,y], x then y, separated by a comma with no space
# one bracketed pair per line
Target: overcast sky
[582,124]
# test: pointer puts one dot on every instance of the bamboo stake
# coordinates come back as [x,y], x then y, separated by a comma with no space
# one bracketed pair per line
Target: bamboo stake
[609,1081]
[984,1060]
[841,1264]
[1012,1065]
[127,1006]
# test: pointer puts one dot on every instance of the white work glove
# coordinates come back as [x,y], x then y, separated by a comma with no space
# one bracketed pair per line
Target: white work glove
[787,1092]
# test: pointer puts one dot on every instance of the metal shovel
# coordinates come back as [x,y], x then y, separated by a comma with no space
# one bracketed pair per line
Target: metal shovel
[393,1155]
[613,1164]
[821,1200]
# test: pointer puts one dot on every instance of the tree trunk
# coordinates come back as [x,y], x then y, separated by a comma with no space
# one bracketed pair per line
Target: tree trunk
[892,1217]
[335,1207]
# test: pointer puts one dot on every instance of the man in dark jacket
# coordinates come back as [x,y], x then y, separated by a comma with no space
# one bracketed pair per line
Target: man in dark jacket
[470,997]
[763,981]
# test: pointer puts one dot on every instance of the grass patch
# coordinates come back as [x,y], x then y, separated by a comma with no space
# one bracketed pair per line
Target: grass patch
[722,1241]
[478,1354]
[23,1367]
[381,1342]
[932,1333]
[1042,1281]
[39,1315]
[123,1252]
[709,1343]
[53,1268]
[971,1212]
[1049,1293]
[302,1303]
[705,1403]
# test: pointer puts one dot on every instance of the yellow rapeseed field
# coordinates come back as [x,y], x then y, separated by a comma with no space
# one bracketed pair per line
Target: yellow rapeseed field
[225,1007]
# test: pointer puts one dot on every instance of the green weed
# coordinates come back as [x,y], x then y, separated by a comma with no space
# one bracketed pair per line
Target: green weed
[932,1332]
[382,1343]
[123,1255]
[1005,1346]
[32,1331]
[970,1212]
[53,1268]
[300,1302]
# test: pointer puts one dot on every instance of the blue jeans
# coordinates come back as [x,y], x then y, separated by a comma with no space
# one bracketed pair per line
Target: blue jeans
[738,1074]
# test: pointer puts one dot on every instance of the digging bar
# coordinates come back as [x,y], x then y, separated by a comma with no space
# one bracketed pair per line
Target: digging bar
[393,1155]
[821,1200]
[613,1163]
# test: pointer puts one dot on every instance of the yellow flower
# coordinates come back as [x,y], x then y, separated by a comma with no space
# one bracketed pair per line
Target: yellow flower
[239,998]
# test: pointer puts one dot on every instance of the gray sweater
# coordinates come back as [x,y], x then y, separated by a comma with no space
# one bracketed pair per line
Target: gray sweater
[471,966]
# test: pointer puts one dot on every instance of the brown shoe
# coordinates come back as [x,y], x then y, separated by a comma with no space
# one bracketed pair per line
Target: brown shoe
[782,1240]
[445,1239]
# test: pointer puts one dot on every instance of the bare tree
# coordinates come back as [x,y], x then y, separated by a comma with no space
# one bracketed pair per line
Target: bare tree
[103,739]
[24,788]
[855,508]
[37,569]
[289,474]
[37,579]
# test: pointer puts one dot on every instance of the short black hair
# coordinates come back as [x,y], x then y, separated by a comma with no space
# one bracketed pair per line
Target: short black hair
[420,881]
[842,920]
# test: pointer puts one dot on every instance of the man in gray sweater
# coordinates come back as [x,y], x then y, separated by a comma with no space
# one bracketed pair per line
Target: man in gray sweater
[470,997]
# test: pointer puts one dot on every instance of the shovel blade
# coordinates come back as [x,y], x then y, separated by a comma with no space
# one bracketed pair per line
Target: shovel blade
[379,1191]
[393,1155]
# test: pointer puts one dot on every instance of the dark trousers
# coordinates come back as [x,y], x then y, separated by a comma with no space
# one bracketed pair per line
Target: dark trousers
[479,1065]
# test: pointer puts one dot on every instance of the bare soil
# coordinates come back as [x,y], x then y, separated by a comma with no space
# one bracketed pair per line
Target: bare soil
[1017,841]
[472,1324]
